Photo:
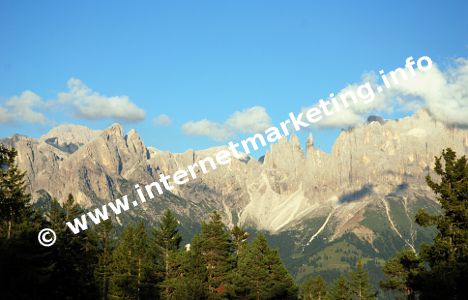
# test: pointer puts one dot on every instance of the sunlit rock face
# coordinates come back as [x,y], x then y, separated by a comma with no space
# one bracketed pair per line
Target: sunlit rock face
[290,186]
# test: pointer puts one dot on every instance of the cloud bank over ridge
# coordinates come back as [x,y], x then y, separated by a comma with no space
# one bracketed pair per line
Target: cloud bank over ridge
[443,93]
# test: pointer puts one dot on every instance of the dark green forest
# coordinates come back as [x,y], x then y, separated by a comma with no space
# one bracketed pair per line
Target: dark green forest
[142,262]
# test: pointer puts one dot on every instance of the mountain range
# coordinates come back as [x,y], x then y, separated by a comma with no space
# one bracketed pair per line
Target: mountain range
[322,210]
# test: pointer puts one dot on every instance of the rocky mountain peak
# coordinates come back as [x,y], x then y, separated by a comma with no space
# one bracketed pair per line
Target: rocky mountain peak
[135,143]
[69,133]
[295,142]
[115,130]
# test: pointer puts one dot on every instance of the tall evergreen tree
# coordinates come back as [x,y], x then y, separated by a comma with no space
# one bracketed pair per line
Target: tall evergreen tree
[14,200]
[359,285]
[261,274]
[216,252]
[196,271]
[447,257]
[25,265]
[187,275]
[165,240]
[340,289]
[314,288]
[132,265]
[103,270]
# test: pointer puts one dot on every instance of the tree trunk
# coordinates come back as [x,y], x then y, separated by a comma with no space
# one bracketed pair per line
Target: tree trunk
[9,230]
[167,270]
[105,289]
[258,292]
[139,278]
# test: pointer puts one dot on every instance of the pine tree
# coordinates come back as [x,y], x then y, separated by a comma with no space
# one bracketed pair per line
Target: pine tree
[261,274]
[165,240]
[174,285]
[187,276]
[359,284]
[103,270]
[196,271]
[25,265]
[71,208]
[400,272]
[447,257]
[132,264]
[340,289]
[216,252]
[14,201]
[314,288]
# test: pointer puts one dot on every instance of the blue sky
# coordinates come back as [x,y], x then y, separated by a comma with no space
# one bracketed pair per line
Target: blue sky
[194,60]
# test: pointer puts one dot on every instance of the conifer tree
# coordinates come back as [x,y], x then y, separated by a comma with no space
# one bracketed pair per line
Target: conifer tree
[340,289]
[196,271]
[187,275]
[132,264]
[314,288]
[14,201]
[359,285]
[71,208]
[25,265]
[216,252]
[103,270]
[261,274]
[165,240]
[174,285]
[447,257]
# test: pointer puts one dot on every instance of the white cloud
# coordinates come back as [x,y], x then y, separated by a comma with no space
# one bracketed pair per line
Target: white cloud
[85,102]
[204,127]
[251,120]
[355,113]
[89,104]
[21,109]
[162,120]
[444,94]
[342,119]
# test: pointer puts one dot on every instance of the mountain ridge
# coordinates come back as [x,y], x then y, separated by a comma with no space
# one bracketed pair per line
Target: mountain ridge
[362,194]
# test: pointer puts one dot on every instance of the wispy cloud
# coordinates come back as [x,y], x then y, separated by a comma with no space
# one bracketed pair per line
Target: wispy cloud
[251,120]
[162,120]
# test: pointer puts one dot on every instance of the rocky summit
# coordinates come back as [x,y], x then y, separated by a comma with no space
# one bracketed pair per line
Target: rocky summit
[362,196]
